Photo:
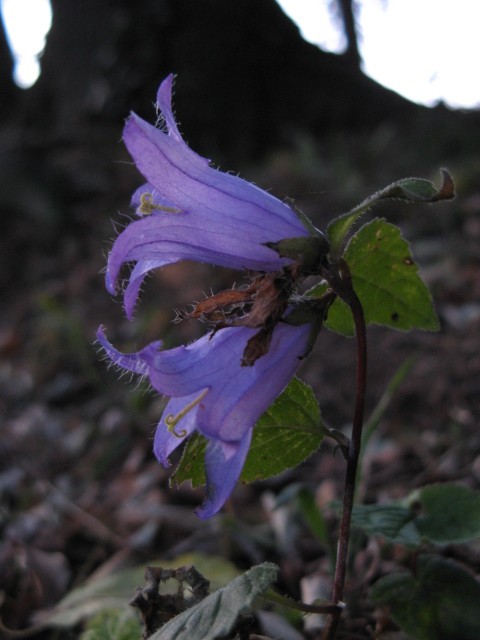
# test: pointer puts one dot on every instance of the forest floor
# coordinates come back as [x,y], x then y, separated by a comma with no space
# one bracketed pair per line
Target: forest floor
[82,496]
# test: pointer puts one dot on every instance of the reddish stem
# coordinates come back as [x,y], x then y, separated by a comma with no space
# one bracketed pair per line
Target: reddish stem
[347,293]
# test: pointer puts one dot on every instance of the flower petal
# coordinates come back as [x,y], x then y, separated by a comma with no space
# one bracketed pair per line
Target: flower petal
[237,395]
[164,106]
[184,178]
[134,362]
[222,473]
[166,441]
[166,238]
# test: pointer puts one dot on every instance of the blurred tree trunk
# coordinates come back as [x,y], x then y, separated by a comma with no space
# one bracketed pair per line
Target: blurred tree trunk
[9,91]
[347,12]
[247,81]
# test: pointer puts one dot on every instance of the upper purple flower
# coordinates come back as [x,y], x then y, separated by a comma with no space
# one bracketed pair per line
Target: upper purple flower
[191,211]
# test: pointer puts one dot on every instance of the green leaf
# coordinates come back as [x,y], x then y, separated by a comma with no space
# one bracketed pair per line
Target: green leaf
[110,592]
[386,280]
[392,521]
[438,513]
[287,433]
[217,614]
[191,467]
[439,602]
[113,624]
[450,513]
[408,189]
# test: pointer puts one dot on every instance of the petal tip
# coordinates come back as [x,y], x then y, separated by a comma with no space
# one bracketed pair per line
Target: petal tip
[111,284]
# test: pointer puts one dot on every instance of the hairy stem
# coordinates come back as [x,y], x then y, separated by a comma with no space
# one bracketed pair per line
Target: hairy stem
[350,297]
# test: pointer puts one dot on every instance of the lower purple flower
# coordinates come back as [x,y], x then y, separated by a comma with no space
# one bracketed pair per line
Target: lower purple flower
[212,394]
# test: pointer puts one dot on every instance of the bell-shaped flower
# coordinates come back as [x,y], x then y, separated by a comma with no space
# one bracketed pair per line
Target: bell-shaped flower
[220,385]
[190,211]
[211,393]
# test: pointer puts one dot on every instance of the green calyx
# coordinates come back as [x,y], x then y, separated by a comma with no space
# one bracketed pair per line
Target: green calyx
[309,252]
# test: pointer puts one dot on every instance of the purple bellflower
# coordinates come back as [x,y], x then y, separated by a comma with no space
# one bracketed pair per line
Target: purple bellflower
[210,392]
[191,211]
[221,384]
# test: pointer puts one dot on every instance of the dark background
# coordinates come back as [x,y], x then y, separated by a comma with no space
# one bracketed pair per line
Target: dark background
[255,98]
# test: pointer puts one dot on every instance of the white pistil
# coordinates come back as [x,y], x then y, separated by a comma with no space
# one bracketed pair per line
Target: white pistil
[171,421]
[147,206]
